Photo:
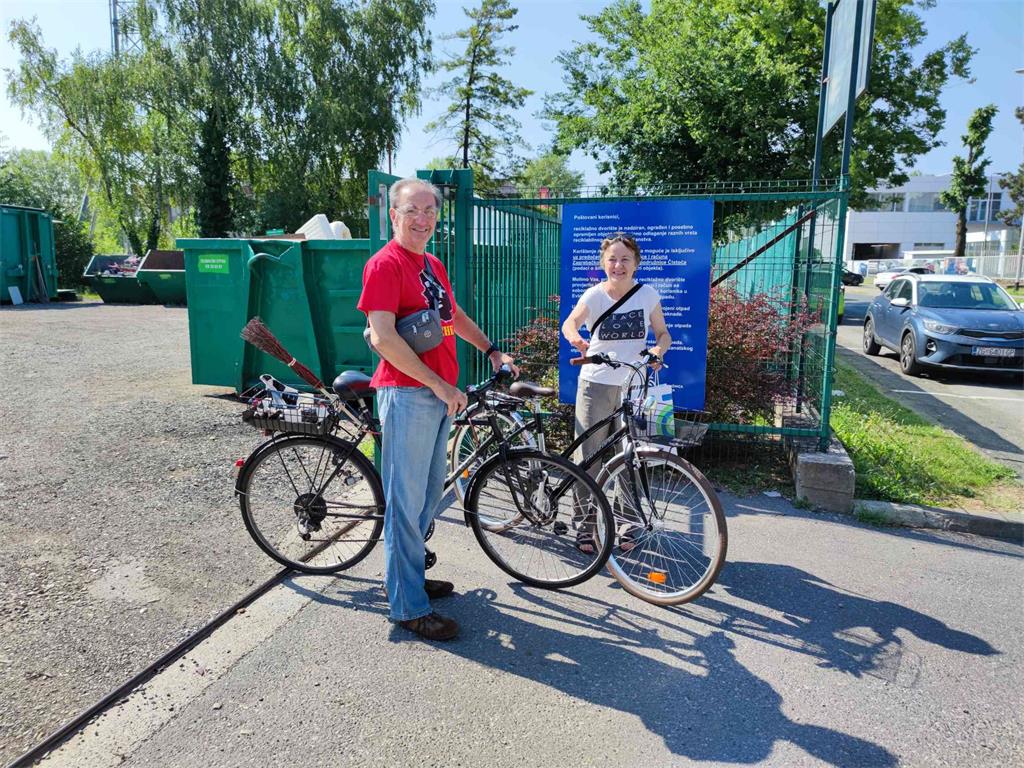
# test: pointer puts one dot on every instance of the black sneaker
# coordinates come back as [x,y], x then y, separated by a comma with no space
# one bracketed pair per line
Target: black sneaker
[433,626]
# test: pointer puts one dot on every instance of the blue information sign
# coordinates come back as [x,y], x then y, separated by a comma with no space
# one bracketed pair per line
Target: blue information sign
[675,246]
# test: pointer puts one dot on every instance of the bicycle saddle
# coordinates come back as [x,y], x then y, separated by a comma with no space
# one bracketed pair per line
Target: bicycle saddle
[529,389]
[352,385]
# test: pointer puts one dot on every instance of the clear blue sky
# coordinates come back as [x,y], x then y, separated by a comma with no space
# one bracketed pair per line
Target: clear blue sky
[546,27]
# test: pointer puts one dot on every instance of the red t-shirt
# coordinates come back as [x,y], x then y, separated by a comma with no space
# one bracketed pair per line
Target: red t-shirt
[395,280]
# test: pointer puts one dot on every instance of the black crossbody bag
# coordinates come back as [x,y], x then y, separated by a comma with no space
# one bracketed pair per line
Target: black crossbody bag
[421,330]
[613,307]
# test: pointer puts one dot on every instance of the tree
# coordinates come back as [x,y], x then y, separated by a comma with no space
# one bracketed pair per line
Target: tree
[479,119]
[107,115]
[552,171]
[969,177]
[1013,183]
[709,90]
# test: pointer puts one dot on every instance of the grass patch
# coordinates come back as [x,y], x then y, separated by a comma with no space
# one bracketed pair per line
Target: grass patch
[900,456]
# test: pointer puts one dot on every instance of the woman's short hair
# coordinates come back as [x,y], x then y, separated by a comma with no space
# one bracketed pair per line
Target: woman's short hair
[402,185]
[626,240]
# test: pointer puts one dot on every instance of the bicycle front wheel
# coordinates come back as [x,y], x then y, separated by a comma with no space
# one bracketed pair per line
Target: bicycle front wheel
[305,508]
[672,536]
[540,518]
[467,441]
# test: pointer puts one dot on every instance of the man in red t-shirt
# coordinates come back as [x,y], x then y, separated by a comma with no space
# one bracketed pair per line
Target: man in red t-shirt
[416,396]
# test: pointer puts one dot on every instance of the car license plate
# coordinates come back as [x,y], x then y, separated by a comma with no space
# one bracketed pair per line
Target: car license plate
[993,351]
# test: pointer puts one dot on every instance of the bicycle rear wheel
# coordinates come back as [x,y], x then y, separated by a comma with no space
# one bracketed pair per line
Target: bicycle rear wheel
[677,546]
[535,514]
[304,514]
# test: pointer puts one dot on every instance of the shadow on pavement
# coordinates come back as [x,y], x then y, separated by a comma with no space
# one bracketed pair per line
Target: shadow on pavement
[847,632]
[685,687]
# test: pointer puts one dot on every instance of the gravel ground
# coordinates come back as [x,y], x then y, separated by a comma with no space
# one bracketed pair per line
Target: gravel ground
[118,528]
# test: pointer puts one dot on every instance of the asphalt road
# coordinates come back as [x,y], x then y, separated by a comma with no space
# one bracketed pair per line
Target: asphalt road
[825,642]
[985,408]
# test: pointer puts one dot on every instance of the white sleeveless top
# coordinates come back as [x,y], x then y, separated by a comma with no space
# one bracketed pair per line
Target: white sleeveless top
[622,335]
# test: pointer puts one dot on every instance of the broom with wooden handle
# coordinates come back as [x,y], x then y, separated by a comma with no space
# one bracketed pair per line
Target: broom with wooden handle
[256,333]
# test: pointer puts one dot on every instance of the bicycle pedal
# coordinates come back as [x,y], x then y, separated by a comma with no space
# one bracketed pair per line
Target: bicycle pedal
[429,561]
[560,528]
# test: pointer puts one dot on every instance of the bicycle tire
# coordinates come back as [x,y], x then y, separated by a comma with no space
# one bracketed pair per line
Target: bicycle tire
[680,554]
[542,552]
[291,522]
[464,443]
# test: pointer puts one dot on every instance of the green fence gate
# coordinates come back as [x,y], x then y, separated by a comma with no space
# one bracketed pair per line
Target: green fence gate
[775,275]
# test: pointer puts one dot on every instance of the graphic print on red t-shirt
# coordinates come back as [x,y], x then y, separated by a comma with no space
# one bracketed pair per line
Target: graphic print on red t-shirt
[395,281]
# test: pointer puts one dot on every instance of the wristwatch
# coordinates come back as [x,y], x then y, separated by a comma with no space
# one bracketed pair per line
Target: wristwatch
[491,350]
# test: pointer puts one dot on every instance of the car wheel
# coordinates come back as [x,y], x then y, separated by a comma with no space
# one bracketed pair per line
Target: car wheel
[871,346]
[908,355]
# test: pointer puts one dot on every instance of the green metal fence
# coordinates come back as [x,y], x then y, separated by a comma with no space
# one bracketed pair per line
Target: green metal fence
[775,274]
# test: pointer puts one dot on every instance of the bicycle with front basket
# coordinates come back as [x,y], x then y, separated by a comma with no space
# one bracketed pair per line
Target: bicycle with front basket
[314,502]
[669,520]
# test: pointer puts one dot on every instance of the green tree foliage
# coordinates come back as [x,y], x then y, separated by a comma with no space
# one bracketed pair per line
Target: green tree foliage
[1013,183]
[479,118]
[708,90]
[969,177]
[552,171]
[111,117]
[40,180]
[252,113]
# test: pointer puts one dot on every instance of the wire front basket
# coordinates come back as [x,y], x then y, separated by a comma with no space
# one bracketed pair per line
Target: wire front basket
[662,425]
[300,414]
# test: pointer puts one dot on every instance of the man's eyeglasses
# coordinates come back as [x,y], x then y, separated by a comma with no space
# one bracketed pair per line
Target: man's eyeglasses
[412,210]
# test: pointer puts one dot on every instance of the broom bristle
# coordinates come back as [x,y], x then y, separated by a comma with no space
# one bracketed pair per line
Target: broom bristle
[256,333]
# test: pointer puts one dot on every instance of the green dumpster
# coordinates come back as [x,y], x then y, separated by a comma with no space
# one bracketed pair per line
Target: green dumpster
[27,259]
[114,279]
[163,272]
[334,279]
[305,291]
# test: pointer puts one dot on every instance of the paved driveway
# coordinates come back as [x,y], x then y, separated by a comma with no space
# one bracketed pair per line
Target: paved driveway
[985,408]
[825,642]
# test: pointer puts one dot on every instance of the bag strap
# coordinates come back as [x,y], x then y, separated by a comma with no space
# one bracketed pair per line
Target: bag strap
[613,307]
[430,271]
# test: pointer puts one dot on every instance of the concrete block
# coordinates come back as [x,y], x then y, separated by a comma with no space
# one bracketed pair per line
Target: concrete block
[825,479]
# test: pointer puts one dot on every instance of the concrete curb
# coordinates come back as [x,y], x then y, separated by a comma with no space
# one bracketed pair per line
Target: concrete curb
[914,516]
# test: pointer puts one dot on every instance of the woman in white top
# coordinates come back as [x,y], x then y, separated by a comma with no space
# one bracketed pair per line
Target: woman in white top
[623,335]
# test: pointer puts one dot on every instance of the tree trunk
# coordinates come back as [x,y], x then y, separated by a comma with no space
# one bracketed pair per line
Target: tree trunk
[961,234]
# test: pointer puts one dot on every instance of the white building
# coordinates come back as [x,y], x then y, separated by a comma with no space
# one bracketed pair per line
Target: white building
[907,222]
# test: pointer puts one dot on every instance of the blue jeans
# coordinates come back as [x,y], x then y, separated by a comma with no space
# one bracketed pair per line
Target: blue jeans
[414,438]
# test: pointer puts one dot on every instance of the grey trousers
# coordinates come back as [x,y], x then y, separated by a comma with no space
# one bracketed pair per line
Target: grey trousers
[593,403]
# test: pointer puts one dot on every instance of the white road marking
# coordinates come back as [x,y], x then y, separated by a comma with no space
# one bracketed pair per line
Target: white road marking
[965,397]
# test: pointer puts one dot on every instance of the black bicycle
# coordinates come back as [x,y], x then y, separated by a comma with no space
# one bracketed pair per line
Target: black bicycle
[670,525]
[313,500]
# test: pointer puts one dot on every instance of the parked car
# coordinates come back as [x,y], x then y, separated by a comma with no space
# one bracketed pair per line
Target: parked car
[882,279]
[947,321]
[852,278]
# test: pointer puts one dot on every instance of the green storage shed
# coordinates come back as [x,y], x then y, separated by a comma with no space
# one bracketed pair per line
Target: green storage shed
[27,258]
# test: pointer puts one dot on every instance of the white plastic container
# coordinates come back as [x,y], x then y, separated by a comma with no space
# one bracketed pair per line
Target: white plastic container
[317,228]
[341,232]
